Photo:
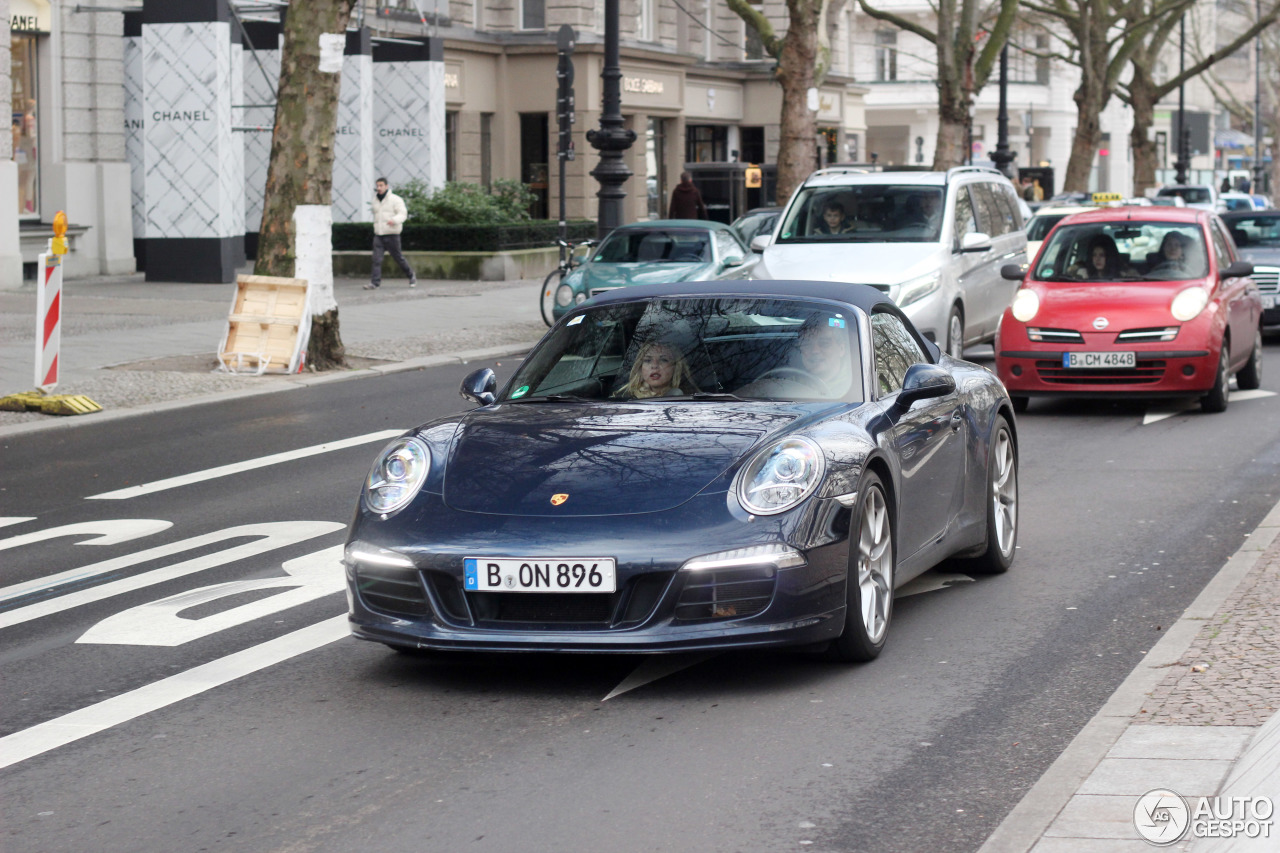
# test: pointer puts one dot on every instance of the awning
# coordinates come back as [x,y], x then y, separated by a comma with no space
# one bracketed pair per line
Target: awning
[1232,139]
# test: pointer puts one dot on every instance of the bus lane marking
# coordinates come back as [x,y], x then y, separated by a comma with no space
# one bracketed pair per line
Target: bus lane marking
[68,728]
[239,467]
[110,532]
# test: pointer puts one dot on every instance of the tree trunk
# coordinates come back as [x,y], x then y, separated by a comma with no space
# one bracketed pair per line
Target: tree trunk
[952,147]
[301,167]
[798,148]
[1143,102]
[1089,104]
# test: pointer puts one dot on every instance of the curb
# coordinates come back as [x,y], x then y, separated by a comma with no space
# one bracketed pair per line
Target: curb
[281,383]
[1023,827]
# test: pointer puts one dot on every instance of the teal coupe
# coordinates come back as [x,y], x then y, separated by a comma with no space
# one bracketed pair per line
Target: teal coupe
[653,252]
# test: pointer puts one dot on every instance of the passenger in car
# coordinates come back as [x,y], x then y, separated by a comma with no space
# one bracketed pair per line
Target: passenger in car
[833,220]
[1102,261]
[1172,256]
[660,370]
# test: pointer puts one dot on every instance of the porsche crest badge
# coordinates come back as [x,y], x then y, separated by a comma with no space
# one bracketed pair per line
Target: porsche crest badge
[556,500]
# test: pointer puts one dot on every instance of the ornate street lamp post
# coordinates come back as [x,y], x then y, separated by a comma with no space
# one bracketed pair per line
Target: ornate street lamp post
[1184,136]
[612,139]
[1002,156]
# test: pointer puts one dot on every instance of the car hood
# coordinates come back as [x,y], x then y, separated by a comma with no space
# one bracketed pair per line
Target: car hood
[647,272]
[1125,306]
[860,263]
[607,458]
[1264,256]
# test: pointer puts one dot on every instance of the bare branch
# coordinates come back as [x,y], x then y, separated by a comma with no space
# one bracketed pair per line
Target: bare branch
[897,20]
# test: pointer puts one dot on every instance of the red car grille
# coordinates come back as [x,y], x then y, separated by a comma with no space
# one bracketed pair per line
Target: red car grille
[1147,372]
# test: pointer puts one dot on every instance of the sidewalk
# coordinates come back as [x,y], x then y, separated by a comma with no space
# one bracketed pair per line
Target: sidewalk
[1196,718]
[129,344]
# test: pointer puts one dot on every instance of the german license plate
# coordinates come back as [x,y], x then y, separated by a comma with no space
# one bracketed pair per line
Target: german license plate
[540,574]
[1099,360]
[1269,301]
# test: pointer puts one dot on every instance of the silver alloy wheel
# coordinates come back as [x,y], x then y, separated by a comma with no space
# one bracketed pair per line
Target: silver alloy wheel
[875,565]
[1224,368]
[1004,493]
[955,335]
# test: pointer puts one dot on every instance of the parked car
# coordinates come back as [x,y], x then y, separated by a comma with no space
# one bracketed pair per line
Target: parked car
[817,454]
[1257,238]
[1202,196]
[653,251]
[758,220]
[934,241]
[1140,302]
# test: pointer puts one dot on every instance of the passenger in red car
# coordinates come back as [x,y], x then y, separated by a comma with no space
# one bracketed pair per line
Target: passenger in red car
[1102,261]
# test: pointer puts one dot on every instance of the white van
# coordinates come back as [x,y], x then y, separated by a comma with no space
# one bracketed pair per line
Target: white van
[934,241]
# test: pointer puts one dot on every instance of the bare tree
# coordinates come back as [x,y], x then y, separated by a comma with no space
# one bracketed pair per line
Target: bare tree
[963,69]
[1142,93]
[301,167]
[804,58]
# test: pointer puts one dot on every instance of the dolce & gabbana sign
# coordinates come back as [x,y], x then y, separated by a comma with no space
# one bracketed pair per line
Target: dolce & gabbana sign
[642,85]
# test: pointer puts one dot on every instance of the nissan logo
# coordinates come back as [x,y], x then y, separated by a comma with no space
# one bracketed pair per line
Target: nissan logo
[1100,323]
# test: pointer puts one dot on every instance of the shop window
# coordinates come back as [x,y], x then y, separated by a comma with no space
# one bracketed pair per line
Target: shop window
[886,55]
[534,149]
[706,143]
[25,124]
[752,144]
[533,14]
[655,165]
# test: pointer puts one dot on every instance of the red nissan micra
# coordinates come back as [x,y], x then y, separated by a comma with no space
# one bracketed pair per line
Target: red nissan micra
[1140,301]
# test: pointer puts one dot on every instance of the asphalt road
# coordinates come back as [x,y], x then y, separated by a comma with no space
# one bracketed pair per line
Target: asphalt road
[240,727]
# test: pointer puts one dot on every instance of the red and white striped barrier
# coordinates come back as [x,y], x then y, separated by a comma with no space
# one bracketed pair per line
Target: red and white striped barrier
[48,320]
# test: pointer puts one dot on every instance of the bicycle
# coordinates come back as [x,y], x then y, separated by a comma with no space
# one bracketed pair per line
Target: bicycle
[568,262]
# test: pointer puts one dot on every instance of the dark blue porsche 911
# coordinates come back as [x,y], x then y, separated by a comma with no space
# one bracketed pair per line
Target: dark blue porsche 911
[690,466]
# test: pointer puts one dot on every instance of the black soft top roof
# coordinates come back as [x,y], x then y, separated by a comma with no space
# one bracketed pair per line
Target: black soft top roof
[858,295]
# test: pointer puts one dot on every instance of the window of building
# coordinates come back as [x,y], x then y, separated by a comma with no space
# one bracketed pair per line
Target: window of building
[486,148]
[533,14]
[655,143]
[886,55]
[706,143]
[1042,62]
[753,47]
[25,124]
[451,146]
[646,15]
[752,144]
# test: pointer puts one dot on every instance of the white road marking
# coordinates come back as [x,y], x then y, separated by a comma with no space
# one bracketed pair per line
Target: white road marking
[247,465]
[159,623]
[71,727]
[110,532]
[273,535]
[928,582]
[658,666]
[5,521]
[1155,415]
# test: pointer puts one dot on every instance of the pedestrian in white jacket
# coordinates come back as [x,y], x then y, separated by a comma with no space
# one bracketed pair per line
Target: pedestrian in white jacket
[389,214]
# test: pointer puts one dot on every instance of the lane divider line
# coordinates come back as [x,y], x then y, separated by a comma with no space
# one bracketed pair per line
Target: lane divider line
[68,728]
[247,465]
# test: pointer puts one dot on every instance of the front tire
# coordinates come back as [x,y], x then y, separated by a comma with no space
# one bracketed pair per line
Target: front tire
[1002,504]
[1250,376]
[1020,403]
[1217,398]
[869,590]
[955,333]
[547,296]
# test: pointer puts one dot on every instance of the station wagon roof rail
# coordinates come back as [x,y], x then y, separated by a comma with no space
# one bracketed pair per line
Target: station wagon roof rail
[985,170]
[839,170]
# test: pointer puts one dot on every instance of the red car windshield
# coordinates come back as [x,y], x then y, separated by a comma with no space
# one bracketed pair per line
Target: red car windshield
[1124,251]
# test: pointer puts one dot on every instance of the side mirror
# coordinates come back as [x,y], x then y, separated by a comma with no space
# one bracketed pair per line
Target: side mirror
[480,387]
[760,242]
[1013,272]
[734,261]
[975,242]
[924,382]
[1238,269]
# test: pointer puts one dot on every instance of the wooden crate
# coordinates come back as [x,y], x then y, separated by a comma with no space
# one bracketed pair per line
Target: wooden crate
[268,327]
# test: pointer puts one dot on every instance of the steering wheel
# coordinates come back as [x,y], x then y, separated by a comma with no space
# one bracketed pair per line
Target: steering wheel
[795,374]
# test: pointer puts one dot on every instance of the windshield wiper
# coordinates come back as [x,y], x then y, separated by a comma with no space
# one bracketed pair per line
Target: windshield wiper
[715,395]
[554,398]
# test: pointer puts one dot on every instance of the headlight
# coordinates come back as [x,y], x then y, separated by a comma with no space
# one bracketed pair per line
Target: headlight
[917,288]
[780,477]
[579,298]
[1188,304]
[397,474]
[564,296]
[1025,305]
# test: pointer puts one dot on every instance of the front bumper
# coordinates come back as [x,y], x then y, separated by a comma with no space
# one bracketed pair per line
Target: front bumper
[657,607]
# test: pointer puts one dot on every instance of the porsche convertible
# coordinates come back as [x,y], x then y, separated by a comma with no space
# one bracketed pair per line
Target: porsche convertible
[690,466]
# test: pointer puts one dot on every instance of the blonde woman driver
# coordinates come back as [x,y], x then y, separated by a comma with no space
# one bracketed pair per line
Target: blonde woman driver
[658,371]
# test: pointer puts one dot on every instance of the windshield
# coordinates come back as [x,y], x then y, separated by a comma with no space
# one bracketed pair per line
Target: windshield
[696,348]
[1124,251]
[1040,225]
[1256,231]
[646,245]
[865,213]
[1191,195]
[753,224]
